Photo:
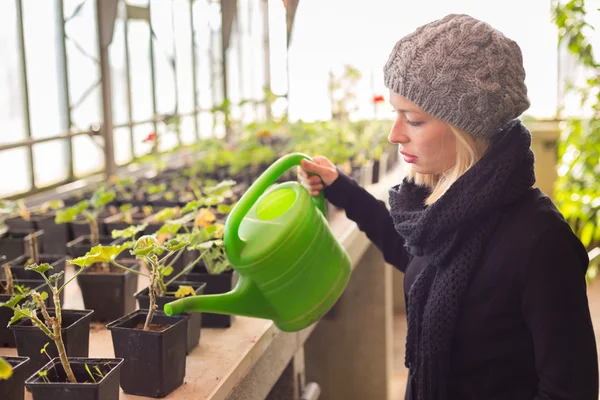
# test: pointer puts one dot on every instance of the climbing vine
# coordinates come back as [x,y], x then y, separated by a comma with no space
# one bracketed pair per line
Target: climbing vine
[577,191]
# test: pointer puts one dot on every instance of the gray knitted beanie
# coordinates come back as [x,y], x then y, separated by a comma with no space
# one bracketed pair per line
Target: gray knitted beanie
[462,71]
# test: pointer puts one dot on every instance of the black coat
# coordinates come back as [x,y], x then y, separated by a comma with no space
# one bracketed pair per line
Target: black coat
[524,330]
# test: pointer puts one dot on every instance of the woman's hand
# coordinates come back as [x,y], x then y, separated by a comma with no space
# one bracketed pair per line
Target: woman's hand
[325,173]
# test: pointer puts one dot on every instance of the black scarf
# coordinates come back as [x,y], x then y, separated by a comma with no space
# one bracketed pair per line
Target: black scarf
[451,234]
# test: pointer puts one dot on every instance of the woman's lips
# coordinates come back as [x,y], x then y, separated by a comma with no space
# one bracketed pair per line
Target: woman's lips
[409,158]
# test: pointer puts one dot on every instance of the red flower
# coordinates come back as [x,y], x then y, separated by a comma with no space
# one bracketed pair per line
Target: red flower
[378,99]
[151,138]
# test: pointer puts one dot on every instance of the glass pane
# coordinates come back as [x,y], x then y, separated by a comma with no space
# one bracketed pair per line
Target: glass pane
[87,156]
[216,62]
[17,181]
[122,144]
[233,68]
[187,130]
[118,71]
[41,50]
[140,134]
[202,40]
[12,126]
[83,66]
[167,139]
[257,79]
[50,162]
[205,122]
[161,14]
[183,40]
[141,78]
[278,46]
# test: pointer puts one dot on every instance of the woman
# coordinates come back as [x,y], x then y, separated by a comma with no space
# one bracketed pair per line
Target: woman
[494,276]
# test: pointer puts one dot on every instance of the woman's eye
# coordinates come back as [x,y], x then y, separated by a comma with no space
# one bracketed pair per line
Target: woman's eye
[414,123]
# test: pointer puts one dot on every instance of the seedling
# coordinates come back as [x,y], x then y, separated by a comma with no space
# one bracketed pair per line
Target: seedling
[50,325]
[89,209]
[10,287]
[99,373]
[157,257]
[33,248]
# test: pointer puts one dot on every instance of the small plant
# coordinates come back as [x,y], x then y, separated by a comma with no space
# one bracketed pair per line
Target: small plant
[89,210]
[7,208]
[32,248]
[10,287]
[97,371]
[158,256]
[50,325]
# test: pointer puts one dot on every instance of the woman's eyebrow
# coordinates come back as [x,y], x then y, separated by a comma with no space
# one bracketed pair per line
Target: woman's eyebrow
[407,111]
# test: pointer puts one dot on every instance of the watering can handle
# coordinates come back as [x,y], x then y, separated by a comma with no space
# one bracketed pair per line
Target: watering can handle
[233,243]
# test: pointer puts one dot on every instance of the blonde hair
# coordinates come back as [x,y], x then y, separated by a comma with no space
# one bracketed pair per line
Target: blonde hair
[468,151]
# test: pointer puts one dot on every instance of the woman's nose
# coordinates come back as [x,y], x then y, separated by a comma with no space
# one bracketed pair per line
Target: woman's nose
[397,135]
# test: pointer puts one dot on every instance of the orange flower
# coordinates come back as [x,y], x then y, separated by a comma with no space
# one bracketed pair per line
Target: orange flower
[205,218]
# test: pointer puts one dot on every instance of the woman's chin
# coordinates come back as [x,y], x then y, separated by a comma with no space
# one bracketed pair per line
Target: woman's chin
[420,169]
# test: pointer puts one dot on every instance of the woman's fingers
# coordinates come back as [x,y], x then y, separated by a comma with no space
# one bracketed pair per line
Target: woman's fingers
[314,180]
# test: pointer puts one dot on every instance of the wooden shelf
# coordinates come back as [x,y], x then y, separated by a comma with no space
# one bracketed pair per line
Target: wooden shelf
[224,357]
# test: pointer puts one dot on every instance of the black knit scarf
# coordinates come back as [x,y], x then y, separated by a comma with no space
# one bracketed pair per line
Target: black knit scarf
[450,235]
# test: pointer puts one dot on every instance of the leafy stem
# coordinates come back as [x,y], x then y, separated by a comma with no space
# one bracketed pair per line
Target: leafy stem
[187,268]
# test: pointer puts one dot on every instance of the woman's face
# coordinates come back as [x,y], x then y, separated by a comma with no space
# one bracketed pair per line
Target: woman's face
[425,142]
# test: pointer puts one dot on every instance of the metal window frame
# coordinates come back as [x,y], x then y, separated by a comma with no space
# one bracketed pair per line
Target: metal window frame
[105,128]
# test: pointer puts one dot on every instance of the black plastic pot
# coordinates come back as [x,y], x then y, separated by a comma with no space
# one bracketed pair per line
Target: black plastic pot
[115,222]
[110,295]
[194,318]
[215,284]
[82,228]
[55,235]
[375,177]
[12,243]
[57,262]
[158,200]
[75,333]
[20,223]
[7,338]
[13,388]
[154,361]
[82,244]
[106,386]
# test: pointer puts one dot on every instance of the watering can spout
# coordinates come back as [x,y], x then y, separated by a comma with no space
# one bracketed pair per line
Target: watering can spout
[244,300]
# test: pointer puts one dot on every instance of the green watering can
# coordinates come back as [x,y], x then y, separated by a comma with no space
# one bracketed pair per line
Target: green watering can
[291,268]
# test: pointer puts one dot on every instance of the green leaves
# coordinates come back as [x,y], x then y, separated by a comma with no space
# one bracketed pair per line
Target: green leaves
[207,245]
[100,254]
[54,278]
[220,189]
[166,214]
[225,208]
[577,189]
[203,235]
[128,232]
[177,243]
[145,246]
[192,206]
[100,198]
[6,370]
[8,207]
[125,207]
[13,301]
[40,269]
[69,214]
